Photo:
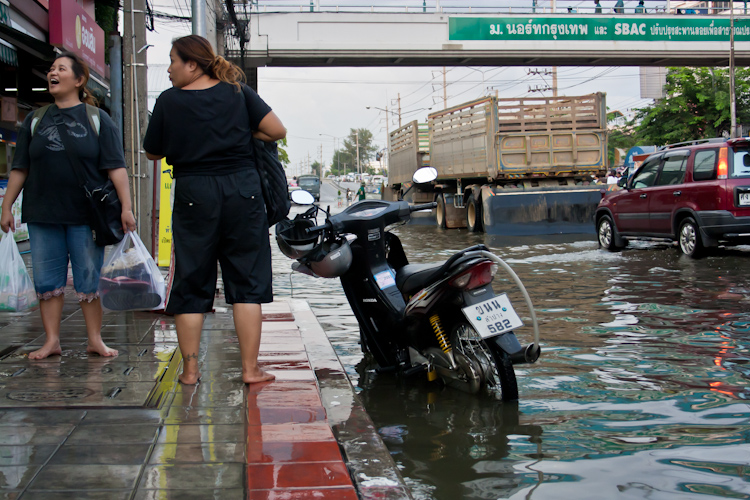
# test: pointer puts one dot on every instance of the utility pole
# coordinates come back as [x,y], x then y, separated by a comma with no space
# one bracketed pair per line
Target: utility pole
[554,81]
[399,114]
[135,114]
[445,90]
[199,17]
[358,165]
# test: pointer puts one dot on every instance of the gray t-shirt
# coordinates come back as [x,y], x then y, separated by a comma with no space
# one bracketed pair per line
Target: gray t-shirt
[51,193]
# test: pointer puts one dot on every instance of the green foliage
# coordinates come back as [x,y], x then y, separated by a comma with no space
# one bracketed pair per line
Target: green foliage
[106,15]
[283,155]
[622,139]
[344,159]
[696,106]
[315,168]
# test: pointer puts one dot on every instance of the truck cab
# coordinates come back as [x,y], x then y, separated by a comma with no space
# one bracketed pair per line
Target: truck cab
[311,184]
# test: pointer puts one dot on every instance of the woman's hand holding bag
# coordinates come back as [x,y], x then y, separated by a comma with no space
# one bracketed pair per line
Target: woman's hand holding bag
[130,279]
[16,289]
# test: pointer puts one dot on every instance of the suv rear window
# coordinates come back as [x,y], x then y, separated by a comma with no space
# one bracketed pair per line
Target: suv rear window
[704,164]
[741,164]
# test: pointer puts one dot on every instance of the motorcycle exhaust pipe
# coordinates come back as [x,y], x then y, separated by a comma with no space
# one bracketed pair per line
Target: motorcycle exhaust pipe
[528,354]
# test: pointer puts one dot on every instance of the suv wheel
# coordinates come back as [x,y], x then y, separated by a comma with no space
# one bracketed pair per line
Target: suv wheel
[690,238]
[607,233]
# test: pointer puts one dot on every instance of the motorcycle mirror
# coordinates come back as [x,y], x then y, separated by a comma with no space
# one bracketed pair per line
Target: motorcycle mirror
[425,174]
[302,197]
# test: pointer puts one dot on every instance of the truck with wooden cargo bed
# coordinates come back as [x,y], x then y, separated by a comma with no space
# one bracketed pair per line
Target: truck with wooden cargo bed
[507,166]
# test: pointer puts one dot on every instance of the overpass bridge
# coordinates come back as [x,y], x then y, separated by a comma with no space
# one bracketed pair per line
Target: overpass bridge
[320,37]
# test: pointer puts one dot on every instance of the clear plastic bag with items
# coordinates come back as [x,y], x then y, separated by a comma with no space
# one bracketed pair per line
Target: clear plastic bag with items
[130,279]
[16,289]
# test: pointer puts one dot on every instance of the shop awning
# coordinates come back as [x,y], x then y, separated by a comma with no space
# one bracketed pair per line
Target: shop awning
[8,53]
[36,48]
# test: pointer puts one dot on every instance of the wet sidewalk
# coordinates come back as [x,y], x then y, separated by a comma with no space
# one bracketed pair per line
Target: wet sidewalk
[86,427]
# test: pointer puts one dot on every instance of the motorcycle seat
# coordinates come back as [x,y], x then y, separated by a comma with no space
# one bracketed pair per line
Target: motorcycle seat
[413,277]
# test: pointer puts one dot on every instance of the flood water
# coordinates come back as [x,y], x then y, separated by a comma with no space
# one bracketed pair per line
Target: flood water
[641,390]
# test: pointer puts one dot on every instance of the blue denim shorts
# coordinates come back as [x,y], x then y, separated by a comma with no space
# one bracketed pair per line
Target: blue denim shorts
[51,246]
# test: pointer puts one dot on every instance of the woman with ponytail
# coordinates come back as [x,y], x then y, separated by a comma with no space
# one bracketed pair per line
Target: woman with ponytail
[54,204]
[203,125]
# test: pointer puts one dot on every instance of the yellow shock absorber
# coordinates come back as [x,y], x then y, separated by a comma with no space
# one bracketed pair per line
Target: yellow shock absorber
[443,341]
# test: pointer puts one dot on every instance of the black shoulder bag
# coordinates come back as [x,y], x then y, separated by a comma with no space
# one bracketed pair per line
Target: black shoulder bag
[272,181]
[106,209]
[272,177]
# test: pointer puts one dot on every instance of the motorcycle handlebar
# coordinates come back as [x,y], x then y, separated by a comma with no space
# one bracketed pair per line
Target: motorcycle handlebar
[317,229]
[424,206]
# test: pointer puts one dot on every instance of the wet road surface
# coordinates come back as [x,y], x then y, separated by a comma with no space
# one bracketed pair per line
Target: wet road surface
[641,390]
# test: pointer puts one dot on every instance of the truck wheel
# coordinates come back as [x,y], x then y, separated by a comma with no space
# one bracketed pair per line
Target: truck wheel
[440,212]
[690,238]
[473,214]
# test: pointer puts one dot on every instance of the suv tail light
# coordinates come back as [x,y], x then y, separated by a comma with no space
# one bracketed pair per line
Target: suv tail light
[722,170]
[477,276]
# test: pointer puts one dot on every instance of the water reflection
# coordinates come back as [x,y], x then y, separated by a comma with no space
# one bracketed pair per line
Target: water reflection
[641,391]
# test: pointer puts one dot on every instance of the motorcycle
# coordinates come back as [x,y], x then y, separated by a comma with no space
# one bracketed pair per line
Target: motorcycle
[441,318]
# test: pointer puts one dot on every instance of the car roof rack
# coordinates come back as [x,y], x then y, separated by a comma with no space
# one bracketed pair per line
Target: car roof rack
[692,143]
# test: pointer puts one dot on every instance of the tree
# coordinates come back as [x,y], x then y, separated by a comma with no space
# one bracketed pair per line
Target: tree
[283,155]
[341,162]
[696,106]
[348,154]
[315,168]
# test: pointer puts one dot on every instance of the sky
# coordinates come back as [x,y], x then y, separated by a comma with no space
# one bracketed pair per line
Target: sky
[331,101]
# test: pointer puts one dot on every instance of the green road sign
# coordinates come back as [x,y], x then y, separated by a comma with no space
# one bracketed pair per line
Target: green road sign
[641,29]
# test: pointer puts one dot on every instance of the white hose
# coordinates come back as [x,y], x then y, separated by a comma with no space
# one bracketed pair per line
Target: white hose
[525,294]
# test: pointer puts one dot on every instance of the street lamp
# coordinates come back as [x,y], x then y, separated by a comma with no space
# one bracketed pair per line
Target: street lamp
[338,165]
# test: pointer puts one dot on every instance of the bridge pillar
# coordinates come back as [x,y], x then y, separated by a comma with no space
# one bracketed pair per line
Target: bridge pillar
[252,77]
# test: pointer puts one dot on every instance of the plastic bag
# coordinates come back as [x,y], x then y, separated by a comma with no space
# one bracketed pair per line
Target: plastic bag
[130,279]
[16,289]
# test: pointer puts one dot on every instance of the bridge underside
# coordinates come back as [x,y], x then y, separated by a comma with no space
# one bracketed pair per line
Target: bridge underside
[291,58]
[373,39]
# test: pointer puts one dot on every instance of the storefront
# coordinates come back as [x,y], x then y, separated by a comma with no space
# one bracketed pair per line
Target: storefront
[31,33]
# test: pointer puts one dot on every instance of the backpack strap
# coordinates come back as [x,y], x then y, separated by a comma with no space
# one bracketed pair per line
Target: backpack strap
[37,117]
[91,111]
[94,118]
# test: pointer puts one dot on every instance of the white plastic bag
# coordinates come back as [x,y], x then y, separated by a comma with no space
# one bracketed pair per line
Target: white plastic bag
[16,289]
[130,279]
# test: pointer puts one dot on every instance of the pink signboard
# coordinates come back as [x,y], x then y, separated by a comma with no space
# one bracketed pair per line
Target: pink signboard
[73,29]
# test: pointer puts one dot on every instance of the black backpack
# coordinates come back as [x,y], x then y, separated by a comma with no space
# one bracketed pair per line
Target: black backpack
[272,180]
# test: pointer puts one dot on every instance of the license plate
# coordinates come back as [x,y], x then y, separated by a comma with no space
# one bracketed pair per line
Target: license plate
[744,199]
[493,316]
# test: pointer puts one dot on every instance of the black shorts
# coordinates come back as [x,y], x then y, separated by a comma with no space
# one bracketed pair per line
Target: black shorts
[219,218]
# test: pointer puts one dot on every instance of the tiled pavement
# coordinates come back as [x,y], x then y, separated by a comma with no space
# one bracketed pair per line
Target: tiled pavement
[85,427]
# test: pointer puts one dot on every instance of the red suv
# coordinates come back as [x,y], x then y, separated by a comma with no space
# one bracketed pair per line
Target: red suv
[697,193]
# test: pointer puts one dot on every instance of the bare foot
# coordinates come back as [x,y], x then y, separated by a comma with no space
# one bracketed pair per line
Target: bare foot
[256,376]
[48,349]
[100,348]
[189,378]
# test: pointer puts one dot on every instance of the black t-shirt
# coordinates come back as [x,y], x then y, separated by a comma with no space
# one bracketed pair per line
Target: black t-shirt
[205,132]
[52,193]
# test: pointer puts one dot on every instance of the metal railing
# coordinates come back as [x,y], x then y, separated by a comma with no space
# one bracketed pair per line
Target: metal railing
[496,7]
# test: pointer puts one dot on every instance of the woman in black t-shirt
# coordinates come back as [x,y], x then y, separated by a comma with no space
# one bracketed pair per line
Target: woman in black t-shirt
[55,206]
[203,125]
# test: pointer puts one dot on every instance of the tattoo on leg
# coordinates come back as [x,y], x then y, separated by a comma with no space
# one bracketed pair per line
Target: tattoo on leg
[191,356]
